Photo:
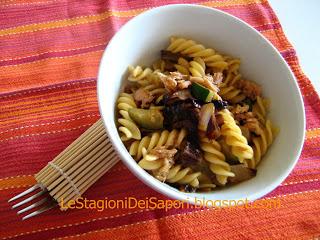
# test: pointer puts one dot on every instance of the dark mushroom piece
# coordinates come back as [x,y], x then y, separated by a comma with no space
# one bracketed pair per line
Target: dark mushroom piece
[242,173]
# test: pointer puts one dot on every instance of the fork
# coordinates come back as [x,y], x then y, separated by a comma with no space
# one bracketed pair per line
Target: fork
[69,174]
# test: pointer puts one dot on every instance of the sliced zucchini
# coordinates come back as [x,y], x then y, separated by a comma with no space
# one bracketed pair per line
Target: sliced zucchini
[202,93]
[147,118]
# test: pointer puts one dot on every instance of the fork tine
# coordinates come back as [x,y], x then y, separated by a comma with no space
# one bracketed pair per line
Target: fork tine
[36,186]
[46,208]
[40,202]
[29,199]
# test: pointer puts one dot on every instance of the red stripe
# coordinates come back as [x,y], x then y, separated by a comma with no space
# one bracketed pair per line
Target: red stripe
[32,92]
[90,92]
[26,151]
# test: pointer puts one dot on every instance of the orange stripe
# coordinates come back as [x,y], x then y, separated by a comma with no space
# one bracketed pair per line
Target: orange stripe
[200,225]
[277,38]
[39,110]
[16,181]
[228,3]
[67,113]
[49,71]
[51,116]
[313,133]
[99,17]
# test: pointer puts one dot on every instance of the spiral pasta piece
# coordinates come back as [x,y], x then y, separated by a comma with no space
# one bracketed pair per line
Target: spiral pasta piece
[159,65]
[261,144]
[193,49]
[180,175]
[182,66]
[128,128]
[150,162]
[156,90]
[205,183]
[157,139]
[234,138]
[233,64]
[213,155]
[231,78]
[137,73]
[260,108]
[231,94]
[197,67]
[144,77]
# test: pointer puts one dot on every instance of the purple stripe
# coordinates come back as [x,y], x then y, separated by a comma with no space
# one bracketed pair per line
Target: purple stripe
[270,26]
[52,55]
[288,53]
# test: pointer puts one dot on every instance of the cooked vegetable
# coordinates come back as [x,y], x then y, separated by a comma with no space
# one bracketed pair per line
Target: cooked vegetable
[147,118]
[189,155]
[226,149]
[205,115]
[213,129]
[181,114]
[202,93]
[242,173]
[173,57]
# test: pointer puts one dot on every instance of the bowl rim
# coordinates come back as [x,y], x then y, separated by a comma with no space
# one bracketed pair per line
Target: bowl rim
[145,177]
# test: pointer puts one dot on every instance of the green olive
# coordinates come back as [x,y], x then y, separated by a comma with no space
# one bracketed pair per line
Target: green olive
[147,118]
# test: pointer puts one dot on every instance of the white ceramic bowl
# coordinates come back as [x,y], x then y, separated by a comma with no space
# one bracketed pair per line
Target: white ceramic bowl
[140,41]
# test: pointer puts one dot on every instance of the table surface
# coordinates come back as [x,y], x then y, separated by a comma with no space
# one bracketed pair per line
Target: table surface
[300,19]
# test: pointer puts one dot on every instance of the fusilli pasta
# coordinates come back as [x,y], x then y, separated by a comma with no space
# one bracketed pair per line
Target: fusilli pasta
[144,77]
[177,174]
[182,66]
[231,94]
[157,139]
[234,138]
[193,49]
[218,165]
[261,144]
[197,67]
[260,108]
[127,127]
[159,65]
[233,64]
